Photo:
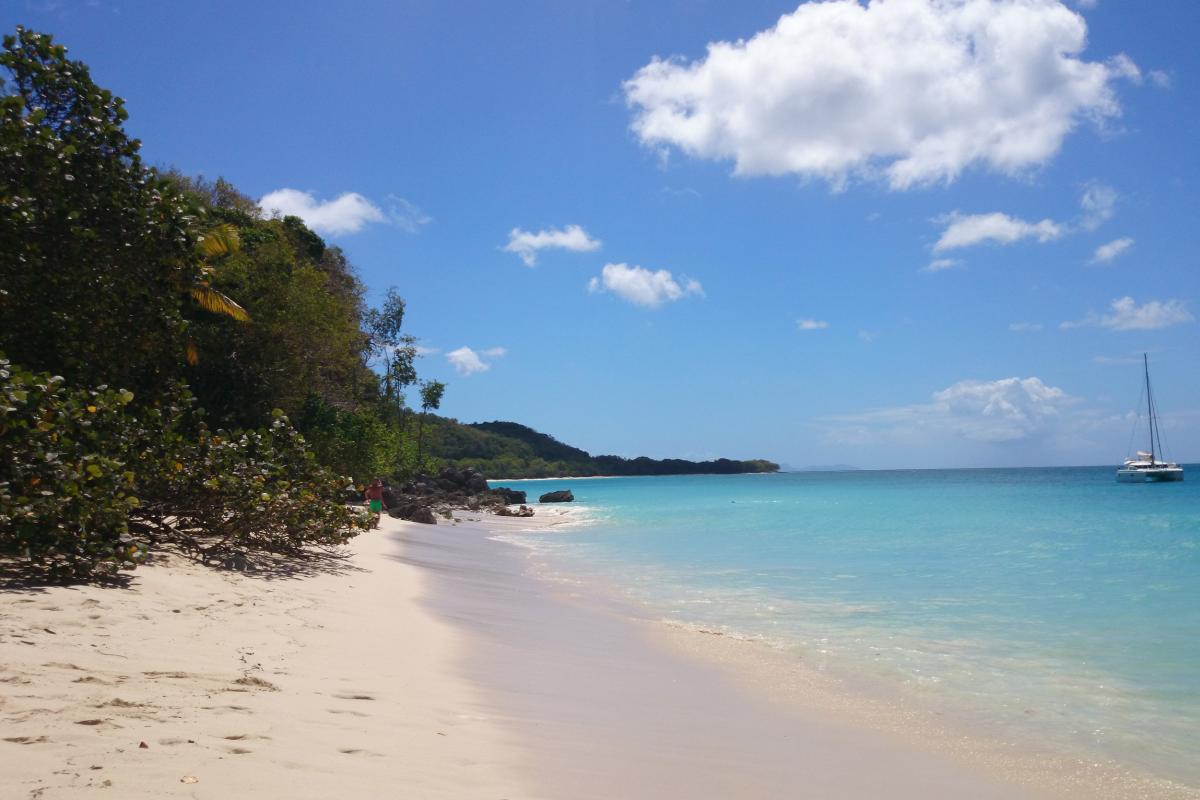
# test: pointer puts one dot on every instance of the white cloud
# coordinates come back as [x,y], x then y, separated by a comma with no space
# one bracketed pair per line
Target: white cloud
[347,213]
[643,287]
[812,324]
[1107,252]
[1099,203]
[918,90]
[866,336]
[1006,410]
[1160,78]
[527,244]
[939,264]
[468,361]
[1127,315]
[967,230]
[1024,327]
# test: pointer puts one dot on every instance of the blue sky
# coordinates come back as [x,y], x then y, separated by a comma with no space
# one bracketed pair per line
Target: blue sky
[900,235]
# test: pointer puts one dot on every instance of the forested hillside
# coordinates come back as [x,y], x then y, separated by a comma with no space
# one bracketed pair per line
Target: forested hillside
[512,450]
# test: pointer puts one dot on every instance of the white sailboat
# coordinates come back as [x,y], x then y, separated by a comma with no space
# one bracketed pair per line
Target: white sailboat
[1145,467]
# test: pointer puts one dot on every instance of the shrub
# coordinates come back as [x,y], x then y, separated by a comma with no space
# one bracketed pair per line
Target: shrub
[65,492]
[88,480]
[225,493]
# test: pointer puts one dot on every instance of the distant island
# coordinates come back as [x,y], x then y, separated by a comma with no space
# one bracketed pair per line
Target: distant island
[511,450]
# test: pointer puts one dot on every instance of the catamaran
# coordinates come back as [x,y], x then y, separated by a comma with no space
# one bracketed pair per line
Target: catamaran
[1145,467]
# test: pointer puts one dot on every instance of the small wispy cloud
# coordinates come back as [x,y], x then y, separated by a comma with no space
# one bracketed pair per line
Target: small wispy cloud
[939,264]
[406,215]
[1099,203]
[968,230]
[1107,252]
[865,336]
[643,287]
[812,324]
[347,213]
[467,361]
[1127,315]
[1160,78]
[528,245]
[1024,327]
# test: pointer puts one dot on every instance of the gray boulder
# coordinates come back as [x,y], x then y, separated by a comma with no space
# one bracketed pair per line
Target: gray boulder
[561,496]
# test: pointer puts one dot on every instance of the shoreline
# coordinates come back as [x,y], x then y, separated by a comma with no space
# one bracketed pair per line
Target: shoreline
[436,662]
[790,697]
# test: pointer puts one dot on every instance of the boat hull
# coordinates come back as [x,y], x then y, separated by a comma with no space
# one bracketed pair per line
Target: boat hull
[1149,475]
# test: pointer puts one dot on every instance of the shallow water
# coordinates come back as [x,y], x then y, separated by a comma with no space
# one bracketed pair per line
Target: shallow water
[1052,605]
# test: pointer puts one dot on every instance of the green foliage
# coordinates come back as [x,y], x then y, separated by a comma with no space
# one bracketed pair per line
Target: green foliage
[65,491]
[260,490]
[93,246]
[86,483]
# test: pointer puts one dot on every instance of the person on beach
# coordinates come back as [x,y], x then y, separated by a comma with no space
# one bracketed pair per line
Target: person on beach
[374,498]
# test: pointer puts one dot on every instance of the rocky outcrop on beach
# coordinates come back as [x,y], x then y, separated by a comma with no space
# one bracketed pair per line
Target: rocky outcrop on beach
[560,496]
[426,497]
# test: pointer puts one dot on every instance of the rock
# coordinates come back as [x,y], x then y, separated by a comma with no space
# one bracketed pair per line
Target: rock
[447,485]
[510,496]
[390,498]
[424,515]
[476,483]
[413,512]
[523,511]
[561,496]
[351,495]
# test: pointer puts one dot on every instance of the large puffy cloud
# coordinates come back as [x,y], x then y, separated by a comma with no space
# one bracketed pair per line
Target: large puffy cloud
[643,287]
[1005,410]
[467,361]
[1127,315]
[920,89]
[967,230]
[527,244]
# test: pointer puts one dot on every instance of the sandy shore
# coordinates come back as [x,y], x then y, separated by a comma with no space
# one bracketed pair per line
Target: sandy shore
[433,663]
[201,684]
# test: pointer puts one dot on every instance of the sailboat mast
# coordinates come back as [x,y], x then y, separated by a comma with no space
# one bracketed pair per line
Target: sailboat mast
[1149,404]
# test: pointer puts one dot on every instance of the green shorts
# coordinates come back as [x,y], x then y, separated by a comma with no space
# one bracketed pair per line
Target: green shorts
[376,506]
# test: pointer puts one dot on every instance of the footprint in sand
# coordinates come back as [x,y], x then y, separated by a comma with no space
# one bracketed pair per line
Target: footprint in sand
[347,711]
[256,683]
[26,739]
[239,751]
[355,751]
[238,737]
[354,697]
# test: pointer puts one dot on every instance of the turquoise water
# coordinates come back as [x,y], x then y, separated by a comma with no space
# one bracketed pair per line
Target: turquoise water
[1051,604]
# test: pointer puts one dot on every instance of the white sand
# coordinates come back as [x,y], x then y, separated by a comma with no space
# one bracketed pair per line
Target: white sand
[358,698]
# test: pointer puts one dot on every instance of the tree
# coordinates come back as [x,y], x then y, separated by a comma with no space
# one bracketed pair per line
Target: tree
[93,245]
[431,400]
[397,351]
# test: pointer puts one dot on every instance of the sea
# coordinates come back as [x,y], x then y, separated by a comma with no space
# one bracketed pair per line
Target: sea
[1054,606]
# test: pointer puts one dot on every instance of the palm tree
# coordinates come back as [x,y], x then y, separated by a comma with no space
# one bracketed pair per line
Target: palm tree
[217,242]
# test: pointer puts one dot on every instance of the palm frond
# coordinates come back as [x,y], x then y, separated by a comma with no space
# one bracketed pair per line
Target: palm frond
[211,300]
[192,353]
[220,241]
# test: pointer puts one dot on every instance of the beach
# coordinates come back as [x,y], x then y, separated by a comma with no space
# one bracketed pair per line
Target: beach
[434,662]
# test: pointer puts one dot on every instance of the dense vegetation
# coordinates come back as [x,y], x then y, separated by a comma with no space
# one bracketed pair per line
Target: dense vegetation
[176,369]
